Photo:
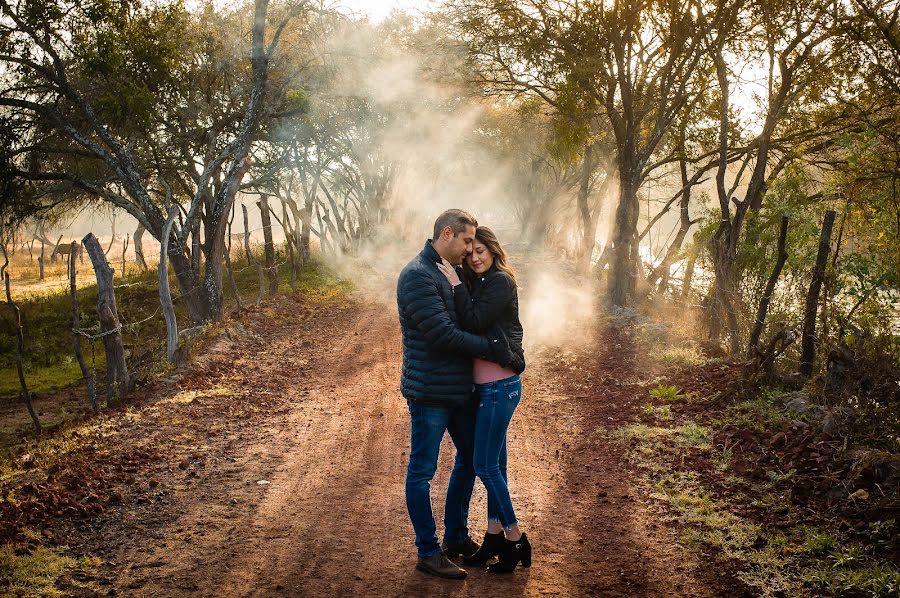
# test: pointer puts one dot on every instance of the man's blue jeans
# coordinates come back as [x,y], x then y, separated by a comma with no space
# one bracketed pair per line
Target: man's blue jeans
[427,426]
[497,401]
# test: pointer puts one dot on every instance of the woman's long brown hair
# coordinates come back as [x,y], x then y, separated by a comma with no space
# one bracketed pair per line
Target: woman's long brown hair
[486,237]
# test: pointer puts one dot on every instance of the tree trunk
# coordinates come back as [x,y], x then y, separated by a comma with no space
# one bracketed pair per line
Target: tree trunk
[688,276]
[218,223]
[770,288]
[188,283]
[251,259]
[808,347]
[661,272]
[76,335]
[165,295]
[586,246]
[20,349]
[41,261]
[195,248]
[269,244]
[290,241]
[722,308]
[118,380]
[325,244]
[228,268]
[723,245]
[113,239]
[55,250]
[139,247]
[828,285]
[304,234]
[624,261]
[125,240]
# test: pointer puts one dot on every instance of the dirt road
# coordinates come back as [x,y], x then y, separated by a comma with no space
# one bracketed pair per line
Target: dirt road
[283,475]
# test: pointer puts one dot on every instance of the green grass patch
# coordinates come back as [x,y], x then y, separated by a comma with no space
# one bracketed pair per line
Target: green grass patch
[662,412]
[759,414]
[46,378]
[683,356]
[878,580]
[695,435]
[35,572]
[797,561]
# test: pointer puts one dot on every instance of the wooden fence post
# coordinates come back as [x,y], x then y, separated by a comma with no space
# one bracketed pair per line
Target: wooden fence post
[20,348]
[117,376]
[76,334]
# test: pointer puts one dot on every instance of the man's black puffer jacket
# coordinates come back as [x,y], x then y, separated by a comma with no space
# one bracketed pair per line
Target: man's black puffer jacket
[437,353]
[493,301]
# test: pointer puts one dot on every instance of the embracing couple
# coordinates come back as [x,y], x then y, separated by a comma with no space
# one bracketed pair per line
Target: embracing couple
[462,356]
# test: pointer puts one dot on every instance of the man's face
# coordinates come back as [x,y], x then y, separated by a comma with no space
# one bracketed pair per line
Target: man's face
[460,244]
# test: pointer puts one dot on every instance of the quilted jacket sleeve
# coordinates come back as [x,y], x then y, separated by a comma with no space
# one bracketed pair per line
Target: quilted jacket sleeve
[425,310]
[480,314]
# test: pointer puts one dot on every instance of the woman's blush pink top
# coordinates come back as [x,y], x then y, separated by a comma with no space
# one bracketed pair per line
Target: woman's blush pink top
[486,372]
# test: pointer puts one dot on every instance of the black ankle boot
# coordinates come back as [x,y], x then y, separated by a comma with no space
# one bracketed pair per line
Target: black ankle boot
[491,547]
[511,554]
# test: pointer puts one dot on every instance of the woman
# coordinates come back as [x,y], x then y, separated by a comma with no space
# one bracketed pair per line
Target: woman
[489,300]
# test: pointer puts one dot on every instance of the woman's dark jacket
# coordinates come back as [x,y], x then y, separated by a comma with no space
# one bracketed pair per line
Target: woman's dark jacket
[437,353]
[490,300]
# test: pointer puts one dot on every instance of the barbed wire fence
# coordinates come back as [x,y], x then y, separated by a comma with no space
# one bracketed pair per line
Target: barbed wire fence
[62,280]
[59,283]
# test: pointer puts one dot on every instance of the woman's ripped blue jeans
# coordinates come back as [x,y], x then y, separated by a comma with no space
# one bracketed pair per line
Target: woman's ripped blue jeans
[497,401]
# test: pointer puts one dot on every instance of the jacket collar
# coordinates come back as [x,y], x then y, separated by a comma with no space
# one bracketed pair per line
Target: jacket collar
[479,278]
[429,253]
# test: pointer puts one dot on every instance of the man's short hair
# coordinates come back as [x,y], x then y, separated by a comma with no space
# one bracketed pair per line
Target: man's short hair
[457,220]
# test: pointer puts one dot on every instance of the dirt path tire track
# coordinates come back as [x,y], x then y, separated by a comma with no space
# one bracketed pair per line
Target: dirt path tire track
[331,521]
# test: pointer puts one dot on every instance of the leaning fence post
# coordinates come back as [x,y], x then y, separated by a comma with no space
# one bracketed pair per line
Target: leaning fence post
[117,375]
[20,347]
[76,332]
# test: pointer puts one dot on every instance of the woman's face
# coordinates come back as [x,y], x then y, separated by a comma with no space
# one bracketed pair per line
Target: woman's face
[480,260]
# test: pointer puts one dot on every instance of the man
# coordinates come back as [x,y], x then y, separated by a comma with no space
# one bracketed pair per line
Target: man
[437,384]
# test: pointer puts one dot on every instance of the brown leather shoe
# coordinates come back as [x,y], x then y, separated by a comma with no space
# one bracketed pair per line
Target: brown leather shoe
[440,566]
[463,549]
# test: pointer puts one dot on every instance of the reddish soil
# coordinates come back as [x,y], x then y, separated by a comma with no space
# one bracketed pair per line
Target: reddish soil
[275,466]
